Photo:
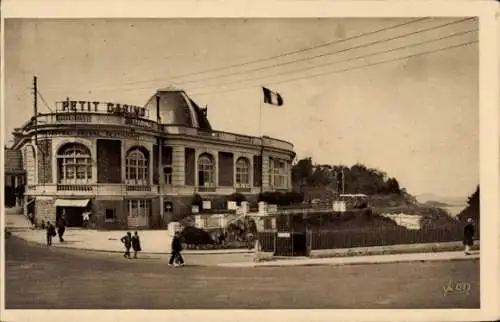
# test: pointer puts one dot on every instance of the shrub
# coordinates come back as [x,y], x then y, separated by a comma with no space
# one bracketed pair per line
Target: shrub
[195,236]
[238,197]
[197,200]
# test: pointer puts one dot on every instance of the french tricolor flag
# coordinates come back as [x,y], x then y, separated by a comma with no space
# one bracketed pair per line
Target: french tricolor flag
[271,97]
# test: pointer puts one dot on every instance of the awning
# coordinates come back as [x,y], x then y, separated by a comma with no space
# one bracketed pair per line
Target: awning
[71,203]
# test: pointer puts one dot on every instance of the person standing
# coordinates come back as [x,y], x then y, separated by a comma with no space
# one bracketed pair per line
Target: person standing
[176,251]
[127,242]
[468,236]
[136,244]
[86,219]
[51,232]
[61,227]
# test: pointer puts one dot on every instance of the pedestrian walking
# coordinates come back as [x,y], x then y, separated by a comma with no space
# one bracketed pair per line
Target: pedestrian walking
[86,218]
[51,232]
[468,236]
[136,244]
[127,242]
[176,251]
[61,227]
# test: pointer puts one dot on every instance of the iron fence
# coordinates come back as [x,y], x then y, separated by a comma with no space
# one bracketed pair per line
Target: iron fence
[367,237]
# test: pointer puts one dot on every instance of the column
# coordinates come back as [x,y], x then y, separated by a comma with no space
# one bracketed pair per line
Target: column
[216,164]
[196,178]
[178,164]
[265,172]
[93,151]
[150,150]
[250,170]
[124,165]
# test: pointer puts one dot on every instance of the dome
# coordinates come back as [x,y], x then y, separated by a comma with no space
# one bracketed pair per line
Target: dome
[176,108]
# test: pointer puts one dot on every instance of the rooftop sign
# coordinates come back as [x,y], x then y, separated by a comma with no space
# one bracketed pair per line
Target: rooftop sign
[70,106]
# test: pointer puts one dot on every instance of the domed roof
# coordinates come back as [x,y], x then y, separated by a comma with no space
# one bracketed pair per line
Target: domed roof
[176,108]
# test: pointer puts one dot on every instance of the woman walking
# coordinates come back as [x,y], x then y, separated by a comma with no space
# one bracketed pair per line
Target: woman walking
[136,244]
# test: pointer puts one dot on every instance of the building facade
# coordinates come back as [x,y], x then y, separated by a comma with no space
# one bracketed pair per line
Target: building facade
[14,178]
[138,167]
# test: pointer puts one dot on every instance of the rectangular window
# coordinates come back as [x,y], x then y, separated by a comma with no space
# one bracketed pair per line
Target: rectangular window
[133,208]
[167,173]
[110,215]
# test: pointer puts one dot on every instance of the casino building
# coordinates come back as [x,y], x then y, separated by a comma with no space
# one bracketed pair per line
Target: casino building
[139,167]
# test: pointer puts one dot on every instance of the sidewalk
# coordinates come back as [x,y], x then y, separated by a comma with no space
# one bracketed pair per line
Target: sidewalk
[152,241]
[357,260]
[157,242]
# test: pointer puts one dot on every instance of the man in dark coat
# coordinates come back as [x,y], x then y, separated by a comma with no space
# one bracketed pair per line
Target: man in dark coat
[127,242]
[51,232]
[61,227]
[468,236]
[176,251]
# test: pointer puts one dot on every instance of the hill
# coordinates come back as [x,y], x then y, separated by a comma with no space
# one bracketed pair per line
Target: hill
[444,201]
[386,196]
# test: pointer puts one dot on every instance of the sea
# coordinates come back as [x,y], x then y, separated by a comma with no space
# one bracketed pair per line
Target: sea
[454,210]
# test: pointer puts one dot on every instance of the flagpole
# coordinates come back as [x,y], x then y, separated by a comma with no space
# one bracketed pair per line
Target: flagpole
[261,145]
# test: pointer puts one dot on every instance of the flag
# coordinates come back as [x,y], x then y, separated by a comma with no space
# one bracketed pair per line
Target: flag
[271,97]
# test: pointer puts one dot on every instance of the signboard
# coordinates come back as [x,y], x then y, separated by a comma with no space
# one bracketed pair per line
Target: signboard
[207,204]
[96,106]
[195,209]
[283,235]
[231,205]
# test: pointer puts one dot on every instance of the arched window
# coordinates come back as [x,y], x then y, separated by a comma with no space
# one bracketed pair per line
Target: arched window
[206,171]
[74,164]
[242,172]
[137,168]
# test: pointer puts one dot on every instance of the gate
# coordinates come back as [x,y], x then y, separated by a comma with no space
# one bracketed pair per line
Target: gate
[293,237]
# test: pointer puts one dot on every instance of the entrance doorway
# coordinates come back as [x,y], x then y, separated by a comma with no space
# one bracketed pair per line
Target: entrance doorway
[73,215]
[299,228]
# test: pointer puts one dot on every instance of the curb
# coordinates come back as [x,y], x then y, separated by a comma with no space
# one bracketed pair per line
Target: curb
[253,265]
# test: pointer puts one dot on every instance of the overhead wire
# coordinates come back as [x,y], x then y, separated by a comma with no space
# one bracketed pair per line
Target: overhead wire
[344,70]
[328,43]
[345,60]
[332,52]
[313,57]
[293,52]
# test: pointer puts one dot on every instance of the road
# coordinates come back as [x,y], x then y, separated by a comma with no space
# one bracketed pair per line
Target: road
[39,277]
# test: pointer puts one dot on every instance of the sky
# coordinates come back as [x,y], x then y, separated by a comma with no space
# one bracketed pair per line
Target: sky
[415,116]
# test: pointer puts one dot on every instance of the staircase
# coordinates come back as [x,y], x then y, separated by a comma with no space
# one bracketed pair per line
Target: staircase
[15,219]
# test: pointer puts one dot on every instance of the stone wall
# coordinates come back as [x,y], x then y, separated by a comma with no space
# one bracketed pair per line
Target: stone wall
[44,210]
[99,207]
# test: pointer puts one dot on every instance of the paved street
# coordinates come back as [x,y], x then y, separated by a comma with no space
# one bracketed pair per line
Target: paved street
[37,277]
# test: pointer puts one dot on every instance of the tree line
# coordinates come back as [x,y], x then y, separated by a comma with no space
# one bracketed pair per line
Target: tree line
[355,179]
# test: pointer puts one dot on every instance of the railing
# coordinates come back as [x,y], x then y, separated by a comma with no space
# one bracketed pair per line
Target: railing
[74,187]
[229,137]
[138,188]
[206,189]
[383,237]
[110,119]
[368,237]
[96,118]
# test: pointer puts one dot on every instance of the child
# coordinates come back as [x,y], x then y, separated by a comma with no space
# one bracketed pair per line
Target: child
[51,232]
[127,241]
[136,244]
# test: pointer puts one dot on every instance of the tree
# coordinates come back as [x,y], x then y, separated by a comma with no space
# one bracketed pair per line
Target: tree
[302,170]
[473,207]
